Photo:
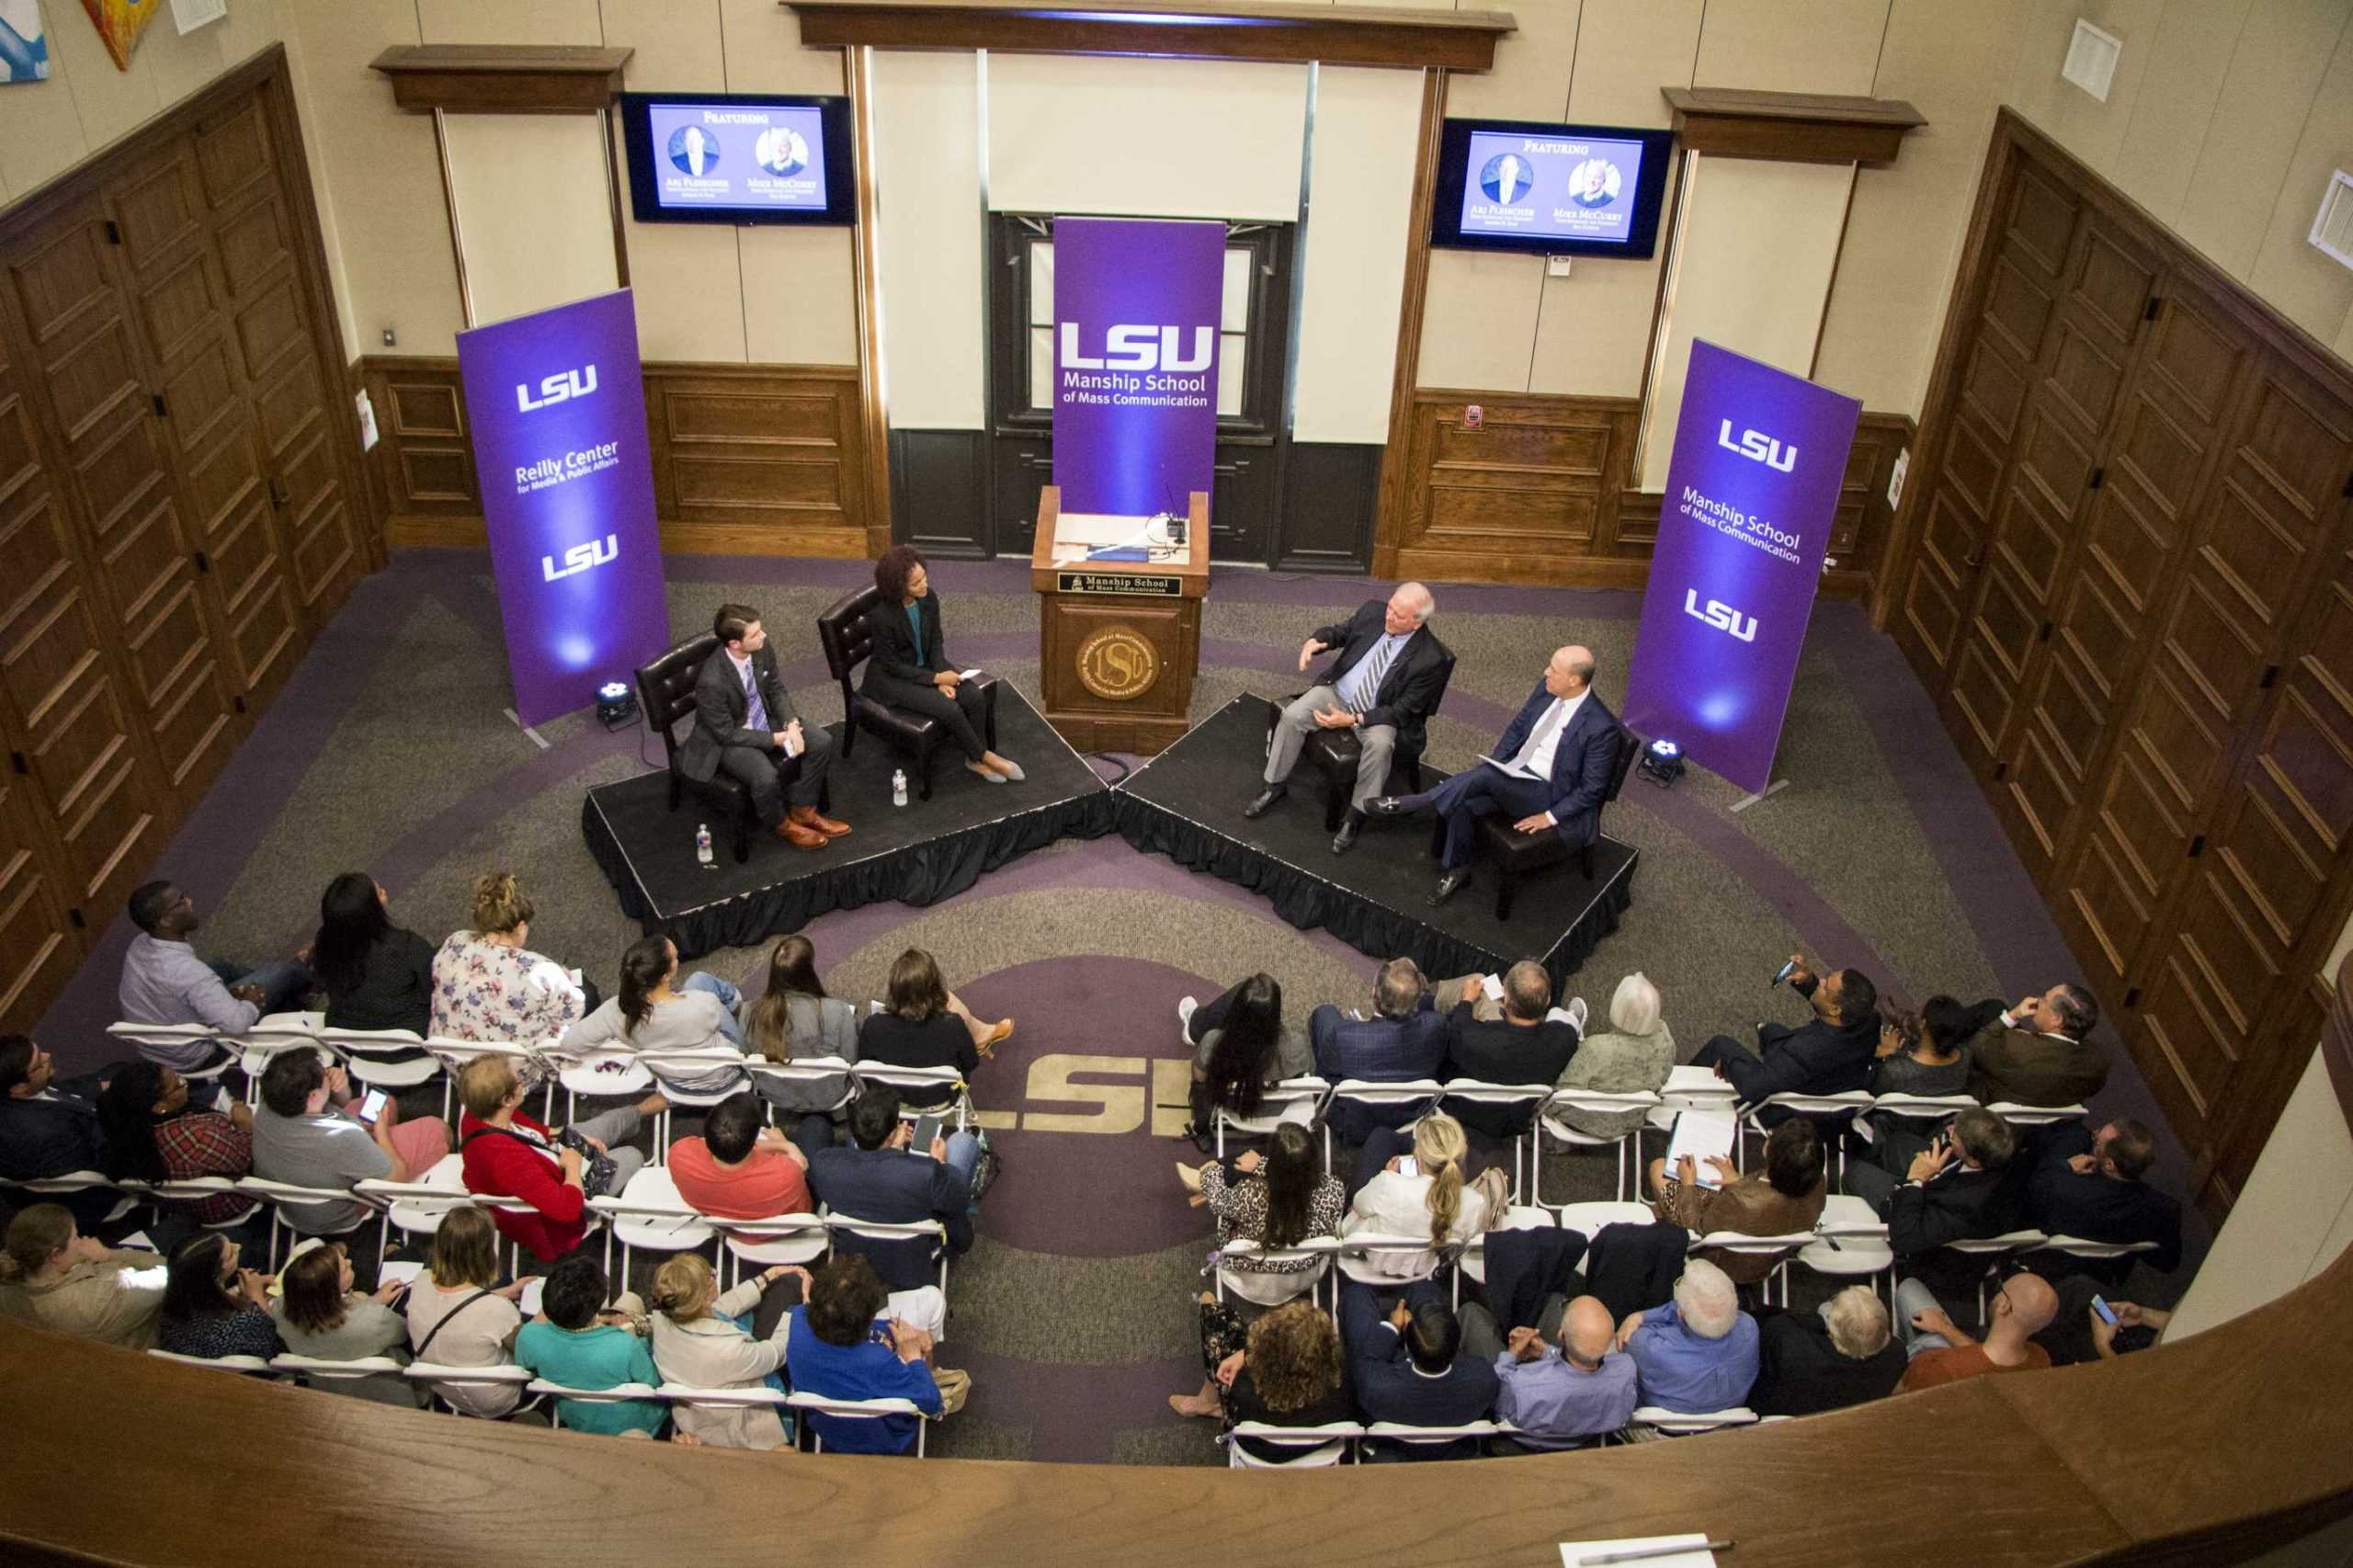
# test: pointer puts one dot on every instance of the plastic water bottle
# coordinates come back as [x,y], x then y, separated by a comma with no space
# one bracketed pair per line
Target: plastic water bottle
[899,787]
[702,847]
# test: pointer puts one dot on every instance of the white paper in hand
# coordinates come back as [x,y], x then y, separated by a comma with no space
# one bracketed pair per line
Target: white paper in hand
[1700,1134]
[968,674]
[405,1273]
[1494,988]
[533,1288]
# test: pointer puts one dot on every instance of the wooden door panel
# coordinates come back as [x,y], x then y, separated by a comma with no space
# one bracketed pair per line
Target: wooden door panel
[2112,285]
[176,302]
[2040,792]
[254,246]
[2018,303]
[2190,1048]
[233,153]
[2106,911]
[159,207]
[2040,222]
[269,328]
[2086,377]
[94,378]
[194,733]
[60,276]
[37,950]
[326,554]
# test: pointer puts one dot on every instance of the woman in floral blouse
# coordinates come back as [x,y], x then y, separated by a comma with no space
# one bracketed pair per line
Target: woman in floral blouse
[488,986]
[1285,1199]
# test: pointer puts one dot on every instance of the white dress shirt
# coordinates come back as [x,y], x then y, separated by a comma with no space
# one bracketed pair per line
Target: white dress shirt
[1540,762]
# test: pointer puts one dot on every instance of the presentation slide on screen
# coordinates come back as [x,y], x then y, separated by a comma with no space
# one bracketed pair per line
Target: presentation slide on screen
[1569,188]
[730,155]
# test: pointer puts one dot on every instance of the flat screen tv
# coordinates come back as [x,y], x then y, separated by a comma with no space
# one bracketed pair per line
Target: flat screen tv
[738,158]
[1555,190]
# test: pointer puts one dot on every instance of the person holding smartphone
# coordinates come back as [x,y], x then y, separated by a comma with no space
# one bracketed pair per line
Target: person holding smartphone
[310,1133]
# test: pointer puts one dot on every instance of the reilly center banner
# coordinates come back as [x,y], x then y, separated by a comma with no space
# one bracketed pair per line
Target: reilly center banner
[1136,304]
[1751,490]
[567,488]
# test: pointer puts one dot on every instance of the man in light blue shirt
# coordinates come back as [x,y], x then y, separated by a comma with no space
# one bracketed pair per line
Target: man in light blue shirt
[1698,1353]
[1557,1394]
[165,982]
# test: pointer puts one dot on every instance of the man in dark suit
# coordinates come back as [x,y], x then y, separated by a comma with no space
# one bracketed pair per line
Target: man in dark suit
[2091,1184]
[47,1127]
[1958,1189]
[1829,1055]
[2038,1052]
[1557,759]
[1403,1040]
[1382,685]
[883,1179]
[1405,1367]
[1525,1046]
[744,724]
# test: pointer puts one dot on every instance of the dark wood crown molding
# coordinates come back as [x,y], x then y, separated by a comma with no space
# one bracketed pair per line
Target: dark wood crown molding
[1257,29]
[503,78]
[1799,128]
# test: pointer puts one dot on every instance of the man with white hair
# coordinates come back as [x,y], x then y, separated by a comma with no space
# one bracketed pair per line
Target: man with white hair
[1697,1353]
[1384,687]
[1844,1354]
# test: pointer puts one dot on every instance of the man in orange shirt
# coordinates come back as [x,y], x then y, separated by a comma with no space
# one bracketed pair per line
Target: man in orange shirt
[2022,1308]
[740,1168]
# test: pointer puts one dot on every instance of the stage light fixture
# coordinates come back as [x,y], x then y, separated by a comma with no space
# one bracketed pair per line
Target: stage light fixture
[615,706]
[1663,763]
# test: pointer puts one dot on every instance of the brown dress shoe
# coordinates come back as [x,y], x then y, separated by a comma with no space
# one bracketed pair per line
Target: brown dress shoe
[807,816]
[801,837]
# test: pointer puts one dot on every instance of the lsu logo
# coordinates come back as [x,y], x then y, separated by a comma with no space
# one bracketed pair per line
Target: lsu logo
[581,557]
[562,387]
[1131,348]
[1757,446]
[1719,615]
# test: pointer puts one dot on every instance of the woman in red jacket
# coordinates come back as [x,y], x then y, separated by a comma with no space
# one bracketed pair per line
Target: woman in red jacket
[508,1155]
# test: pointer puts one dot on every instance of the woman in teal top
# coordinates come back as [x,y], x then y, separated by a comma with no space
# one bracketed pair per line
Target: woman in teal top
[578,1344]
[908,667]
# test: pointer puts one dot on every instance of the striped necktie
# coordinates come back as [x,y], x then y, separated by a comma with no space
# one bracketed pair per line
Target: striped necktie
[1365,682]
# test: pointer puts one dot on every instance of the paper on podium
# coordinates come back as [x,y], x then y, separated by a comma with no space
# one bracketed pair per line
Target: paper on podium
[1089,529]
[1701,1133]
[1574,1553]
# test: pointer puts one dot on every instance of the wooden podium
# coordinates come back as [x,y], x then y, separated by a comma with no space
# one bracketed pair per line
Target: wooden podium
[1119,641]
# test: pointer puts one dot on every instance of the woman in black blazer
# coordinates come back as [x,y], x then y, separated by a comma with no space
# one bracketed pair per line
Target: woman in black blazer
[909,668]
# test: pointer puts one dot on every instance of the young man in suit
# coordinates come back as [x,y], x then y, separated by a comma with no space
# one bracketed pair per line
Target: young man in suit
[1829,1054]
[1382,685]
[744,724]
[1407,1367]
[883,1179]
[49,1128]
[1560,753]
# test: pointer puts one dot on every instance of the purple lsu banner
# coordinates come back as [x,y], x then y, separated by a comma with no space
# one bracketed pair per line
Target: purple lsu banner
[567,489]
[1135,362]
[1751,490]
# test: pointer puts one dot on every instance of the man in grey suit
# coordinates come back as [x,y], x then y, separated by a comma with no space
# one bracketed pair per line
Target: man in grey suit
[745,725]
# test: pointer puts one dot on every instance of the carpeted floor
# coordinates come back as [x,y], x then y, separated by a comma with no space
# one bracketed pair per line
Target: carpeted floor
[387,752]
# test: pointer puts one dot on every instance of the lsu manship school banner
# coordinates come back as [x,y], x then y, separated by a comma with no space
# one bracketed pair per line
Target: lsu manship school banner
[1135,362]
[1751,489]
[567,489]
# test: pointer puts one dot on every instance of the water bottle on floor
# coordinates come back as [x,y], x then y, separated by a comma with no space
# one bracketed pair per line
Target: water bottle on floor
[702,847]
[899,787]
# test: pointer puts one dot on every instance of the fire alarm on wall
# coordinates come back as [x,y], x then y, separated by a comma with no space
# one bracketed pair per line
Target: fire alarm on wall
[1473,416]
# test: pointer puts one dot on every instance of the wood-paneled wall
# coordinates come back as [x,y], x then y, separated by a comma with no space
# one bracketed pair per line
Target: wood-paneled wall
[1541,491]
[766,459]
[2126,573]
[180,504]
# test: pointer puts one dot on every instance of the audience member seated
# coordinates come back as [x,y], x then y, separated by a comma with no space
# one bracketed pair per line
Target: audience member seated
[376,974]
[1634,1057]
[553,1171]
[702,1338]
[1563,1380]
[1924,1053]
[1434,1201]
[213,1308]
[321,1316]
[49,1126]
[1242,1046]
[1782,1199]
[908,668]
[459,1314]
[1521,1046]
[1958,1189]
[658,1012]
[2038,1052]
[740,1168]
[308,1134]
[1697,1352]
[1282,1371]
[2135,1328]
[840,1344]
[1842,1353]
[165,982]
[794,1020]
[883,1179]
[1829,1055]
[1284,1198]
[922,1024]
[581,1343]
[1408,1365]
[153,1135]
[487,983]
[69,1283]
[2092,1185]
[1940,1352]
[1403,1040]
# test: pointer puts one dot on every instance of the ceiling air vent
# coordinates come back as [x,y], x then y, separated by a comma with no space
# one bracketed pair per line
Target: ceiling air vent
[2332,224]
[2091,58]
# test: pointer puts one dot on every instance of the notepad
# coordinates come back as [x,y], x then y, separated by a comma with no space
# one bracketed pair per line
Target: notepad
[968,674]
[405,1273]
[533,1288]
[1576,1553]
[1700,1134]
[1494,988]
[1507,767]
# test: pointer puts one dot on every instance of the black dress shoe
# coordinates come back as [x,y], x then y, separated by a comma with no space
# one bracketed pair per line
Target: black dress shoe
[1386,806]
[1449,885]
[1345,840]
[1265,803]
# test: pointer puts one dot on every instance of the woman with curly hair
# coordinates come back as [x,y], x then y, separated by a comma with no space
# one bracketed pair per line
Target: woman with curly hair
[1285,1370]
[909,668]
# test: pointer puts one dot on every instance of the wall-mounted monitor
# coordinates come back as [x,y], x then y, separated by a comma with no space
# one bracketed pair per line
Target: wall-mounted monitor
[1556,189]
[737,158]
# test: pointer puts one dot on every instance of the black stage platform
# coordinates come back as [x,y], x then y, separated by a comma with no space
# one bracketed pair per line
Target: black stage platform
[1186,804]
[919,854]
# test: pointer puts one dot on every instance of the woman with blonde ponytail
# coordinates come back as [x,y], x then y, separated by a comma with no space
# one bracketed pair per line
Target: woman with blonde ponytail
[702,1338]
[75,1284]
[1421,1194]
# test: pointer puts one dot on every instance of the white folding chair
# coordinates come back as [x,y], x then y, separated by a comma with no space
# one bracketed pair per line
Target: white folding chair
[1419,1092]
[278,1194]
[1993,1249]
[814,1074]
[1780,1249]
[1473,1261]
[129,1194]
[1415,1436]
[649,1213]
[2090,1251]
[250,1365]
[1588,1218]
[1318,1448]
[1245,1267]
[607,1075]
[2019,1115]
[886,1231]
[1841,1108]
[368,1057]
[1280,1103]
[315,1371]
[1849,1242]
[260,1045]
[855,1409]
[197,1189]
[693,1398]
[614,1396]
[1679,1424]
[1921,1107]
[778,1239]
[1550,1119]
[418,1208]
[670,1066]
[926,1081]
[435,1375]
[1518,1097]
[144,1036]
[1355,1255]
